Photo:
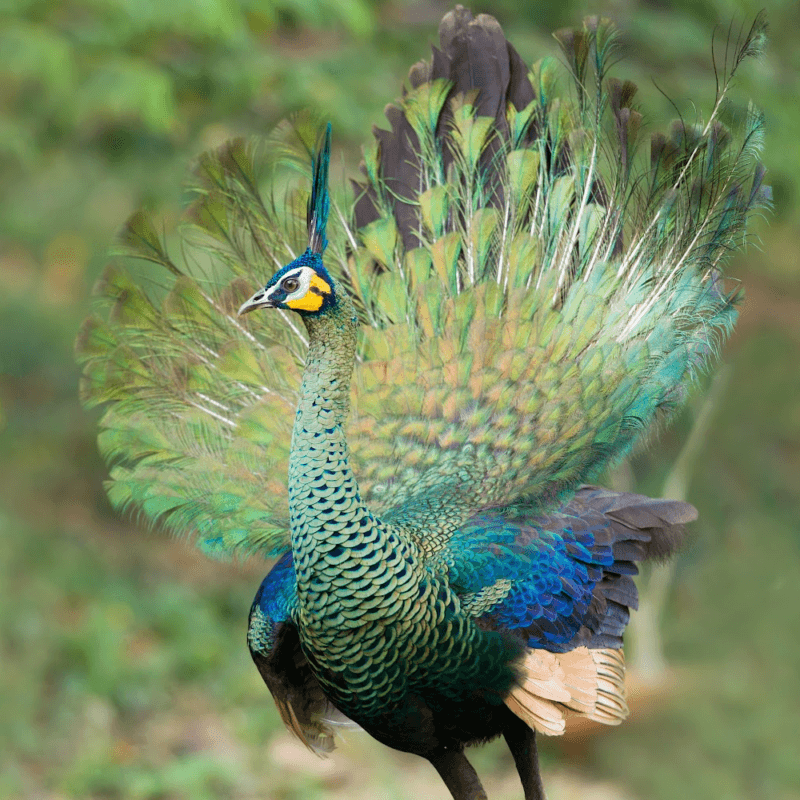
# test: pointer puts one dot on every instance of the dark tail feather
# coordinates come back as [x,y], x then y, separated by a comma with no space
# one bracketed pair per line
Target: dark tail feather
[656,525]
[477,60]
[641,529]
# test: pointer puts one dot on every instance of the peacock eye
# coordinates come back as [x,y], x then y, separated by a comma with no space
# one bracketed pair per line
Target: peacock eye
[290,284]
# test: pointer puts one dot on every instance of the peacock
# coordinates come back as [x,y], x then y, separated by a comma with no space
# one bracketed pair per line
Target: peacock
[522,285]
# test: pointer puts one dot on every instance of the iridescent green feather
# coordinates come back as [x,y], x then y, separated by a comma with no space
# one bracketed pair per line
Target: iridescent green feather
[556,289]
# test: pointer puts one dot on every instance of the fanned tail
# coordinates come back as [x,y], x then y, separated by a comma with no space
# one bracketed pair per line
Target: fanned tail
[476,61]
[535,289]
[539,288]
[199,402]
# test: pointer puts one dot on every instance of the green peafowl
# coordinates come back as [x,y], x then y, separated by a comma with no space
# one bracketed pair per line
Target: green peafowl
[519,289]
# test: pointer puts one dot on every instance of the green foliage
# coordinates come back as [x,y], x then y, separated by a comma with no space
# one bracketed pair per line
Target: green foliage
[90,652]
[122,87]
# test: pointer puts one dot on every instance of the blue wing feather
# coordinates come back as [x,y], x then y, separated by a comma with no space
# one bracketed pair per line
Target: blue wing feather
[275,600]
[559,581]
[562,580]
[275,647]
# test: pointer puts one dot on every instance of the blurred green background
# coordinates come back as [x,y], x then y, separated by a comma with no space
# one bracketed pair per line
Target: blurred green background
[123,667]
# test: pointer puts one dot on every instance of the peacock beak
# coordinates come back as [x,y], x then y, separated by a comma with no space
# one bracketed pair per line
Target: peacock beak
[258,300]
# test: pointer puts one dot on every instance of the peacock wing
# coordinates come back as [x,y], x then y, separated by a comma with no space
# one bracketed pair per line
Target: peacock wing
[563,579]
[274,644]
[561,584]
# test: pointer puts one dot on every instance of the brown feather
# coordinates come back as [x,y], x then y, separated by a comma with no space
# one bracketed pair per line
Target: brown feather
[553,686]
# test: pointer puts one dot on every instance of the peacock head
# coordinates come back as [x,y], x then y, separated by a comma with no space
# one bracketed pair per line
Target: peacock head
[303,286]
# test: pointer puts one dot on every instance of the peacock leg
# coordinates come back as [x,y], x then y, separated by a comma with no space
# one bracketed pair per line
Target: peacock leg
[522,743]
[458,775]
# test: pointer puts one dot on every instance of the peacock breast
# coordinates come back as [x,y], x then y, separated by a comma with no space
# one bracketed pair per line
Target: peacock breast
[378,628]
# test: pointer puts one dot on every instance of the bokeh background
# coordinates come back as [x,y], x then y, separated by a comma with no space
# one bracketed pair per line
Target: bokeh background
[123,667]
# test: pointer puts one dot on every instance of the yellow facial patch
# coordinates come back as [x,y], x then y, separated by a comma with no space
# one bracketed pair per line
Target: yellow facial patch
[312,299]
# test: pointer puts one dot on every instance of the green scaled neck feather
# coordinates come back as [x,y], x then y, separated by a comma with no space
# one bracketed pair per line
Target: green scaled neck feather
[340,550]
[330,525]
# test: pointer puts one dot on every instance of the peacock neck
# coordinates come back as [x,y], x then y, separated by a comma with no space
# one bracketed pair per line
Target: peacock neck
[323,492]
[319,458]
[325,393]
[336,541]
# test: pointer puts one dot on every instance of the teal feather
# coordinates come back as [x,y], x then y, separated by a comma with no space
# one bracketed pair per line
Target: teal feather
[520,289]
[319,201]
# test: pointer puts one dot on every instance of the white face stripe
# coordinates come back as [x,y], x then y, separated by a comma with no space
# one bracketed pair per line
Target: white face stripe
[301,274]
